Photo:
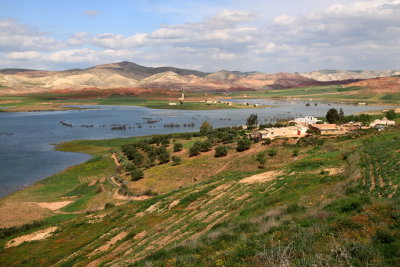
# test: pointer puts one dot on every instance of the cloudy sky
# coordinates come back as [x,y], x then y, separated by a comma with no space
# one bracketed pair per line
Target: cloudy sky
[208,35]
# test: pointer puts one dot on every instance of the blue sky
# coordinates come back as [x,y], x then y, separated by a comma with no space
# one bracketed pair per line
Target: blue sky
[269,35]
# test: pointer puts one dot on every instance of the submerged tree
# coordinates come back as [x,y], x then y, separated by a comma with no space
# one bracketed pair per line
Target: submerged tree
[252,121]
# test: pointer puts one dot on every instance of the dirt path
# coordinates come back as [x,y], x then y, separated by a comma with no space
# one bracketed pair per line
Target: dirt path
[114,156]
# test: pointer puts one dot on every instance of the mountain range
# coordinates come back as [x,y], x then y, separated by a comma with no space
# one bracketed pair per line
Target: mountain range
[130,75]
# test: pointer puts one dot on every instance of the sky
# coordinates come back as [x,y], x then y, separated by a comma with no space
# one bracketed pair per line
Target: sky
[208,35]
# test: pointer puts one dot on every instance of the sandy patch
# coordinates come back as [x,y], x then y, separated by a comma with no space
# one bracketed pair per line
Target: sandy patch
[14,214]
[173,204]
[35,236]
[92,183]
[261,177]
[54,205]
[243,196]
[140,235]
[222,187]
[112,241]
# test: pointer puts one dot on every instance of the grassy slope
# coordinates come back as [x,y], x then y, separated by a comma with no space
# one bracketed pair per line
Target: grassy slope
[301,217]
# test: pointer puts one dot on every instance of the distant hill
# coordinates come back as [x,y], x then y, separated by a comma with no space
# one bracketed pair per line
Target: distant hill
[130,75]
[337,75]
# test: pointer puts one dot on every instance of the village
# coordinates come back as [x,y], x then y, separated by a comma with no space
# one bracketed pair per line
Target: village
[307,125]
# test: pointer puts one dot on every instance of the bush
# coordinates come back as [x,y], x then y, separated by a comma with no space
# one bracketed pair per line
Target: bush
[109,205]
[243,144]
[293,208]
[261,159]
[272,152]
[176,160]
[295,152]
[136,175]
[221,151]
[267,141]
[178,147]
[195,149]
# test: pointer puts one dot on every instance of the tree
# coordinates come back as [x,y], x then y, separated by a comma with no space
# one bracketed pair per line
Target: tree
[243,144]
[176,160]
[252,121]
[165,142]
[163,157]
[365,119]
[391,114]
[195,149]
[178,147]
[221,151]
[332,116]
[261,159]
[206,146]
[136,174]
[205,127]
[341,116]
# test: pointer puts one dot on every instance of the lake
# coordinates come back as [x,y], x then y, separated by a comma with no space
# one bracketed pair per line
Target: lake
[26,138]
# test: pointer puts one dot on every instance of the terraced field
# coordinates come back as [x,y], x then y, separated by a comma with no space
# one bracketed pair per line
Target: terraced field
[381,163]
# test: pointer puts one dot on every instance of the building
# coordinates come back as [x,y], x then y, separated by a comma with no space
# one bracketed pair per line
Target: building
[328,129]
[383,122]
[290,131]
[351,126]
[307,120]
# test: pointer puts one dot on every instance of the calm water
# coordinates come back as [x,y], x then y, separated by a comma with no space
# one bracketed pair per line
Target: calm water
[26,138]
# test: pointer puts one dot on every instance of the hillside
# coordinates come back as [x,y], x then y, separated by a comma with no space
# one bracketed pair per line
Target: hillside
[130,75]
[334,202]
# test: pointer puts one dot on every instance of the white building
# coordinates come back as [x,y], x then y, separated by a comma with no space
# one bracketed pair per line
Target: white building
[307,120]
[290,131]
[383,121]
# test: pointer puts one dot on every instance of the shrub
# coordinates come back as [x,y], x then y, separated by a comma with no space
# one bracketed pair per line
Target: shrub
[178,147]
[272,152]
[261,159]
[295,152]
[109,205]
[293,208]
[267,141]
[221,151]
[136,175]
[243,144]
[176,160]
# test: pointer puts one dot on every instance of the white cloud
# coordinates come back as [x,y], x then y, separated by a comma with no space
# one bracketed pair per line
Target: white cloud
[357,35]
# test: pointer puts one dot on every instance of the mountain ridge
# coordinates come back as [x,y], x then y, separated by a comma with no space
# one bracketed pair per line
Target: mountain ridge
[131,75]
